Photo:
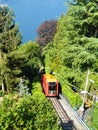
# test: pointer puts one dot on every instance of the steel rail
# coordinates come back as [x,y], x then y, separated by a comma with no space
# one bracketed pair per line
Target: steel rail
[65,121]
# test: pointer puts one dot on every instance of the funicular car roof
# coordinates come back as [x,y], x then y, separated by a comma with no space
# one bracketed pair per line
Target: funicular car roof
[50,78]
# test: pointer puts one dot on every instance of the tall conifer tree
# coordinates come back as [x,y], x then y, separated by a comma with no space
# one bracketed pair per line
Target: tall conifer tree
[10,38]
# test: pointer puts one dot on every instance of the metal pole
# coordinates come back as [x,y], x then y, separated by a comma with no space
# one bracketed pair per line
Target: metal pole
[85,89]
[87,79]
[84,93]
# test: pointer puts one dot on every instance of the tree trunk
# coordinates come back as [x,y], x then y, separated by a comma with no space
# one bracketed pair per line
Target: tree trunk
[3,87]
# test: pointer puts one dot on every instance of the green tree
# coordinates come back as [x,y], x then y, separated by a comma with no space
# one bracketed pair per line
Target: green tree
[10,38]
[24,62]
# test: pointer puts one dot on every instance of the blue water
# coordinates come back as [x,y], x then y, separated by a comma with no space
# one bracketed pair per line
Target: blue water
[29,14]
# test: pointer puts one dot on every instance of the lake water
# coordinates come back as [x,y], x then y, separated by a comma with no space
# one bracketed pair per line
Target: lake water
[29,14]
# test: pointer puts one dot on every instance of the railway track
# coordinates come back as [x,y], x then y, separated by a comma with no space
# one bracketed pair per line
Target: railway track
[65,122]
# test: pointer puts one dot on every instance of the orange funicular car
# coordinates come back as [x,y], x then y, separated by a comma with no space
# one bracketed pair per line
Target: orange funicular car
[49,85]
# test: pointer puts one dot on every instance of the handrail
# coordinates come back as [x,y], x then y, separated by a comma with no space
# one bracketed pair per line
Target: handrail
[81,121]
[75,113]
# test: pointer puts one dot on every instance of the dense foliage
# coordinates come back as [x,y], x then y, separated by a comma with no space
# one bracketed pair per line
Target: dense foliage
[94,121]
[24,62]
[28,113]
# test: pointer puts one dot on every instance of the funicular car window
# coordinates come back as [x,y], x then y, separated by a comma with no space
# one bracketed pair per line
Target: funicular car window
[52,87]
[52,83]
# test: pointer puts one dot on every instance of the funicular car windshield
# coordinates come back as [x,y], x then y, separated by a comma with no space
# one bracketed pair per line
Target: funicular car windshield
[52,87]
